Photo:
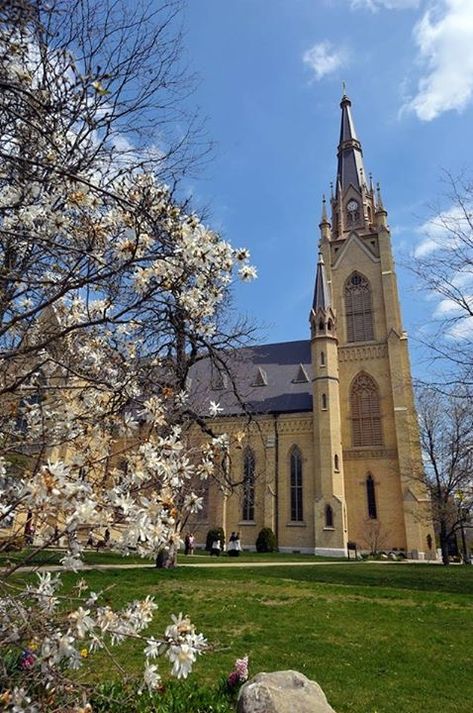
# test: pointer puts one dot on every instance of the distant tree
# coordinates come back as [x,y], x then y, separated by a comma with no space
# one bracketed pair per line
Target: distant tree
[375,536]
[446,431]
[443,266]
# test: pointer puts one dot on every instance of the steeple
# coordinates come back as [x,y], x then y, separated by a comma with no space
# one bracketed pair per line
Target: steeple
[381,213]
[350,168]
[353,206]
[324,224]
[321,292]
[322,317]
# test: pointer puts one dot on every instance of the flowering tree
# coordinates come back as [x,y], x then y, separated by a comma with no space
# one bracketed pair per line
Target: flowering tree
[111,290]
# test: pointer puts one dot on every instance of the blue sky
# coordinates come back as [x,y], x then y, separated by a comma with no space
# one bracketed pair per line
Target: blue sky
[271,74]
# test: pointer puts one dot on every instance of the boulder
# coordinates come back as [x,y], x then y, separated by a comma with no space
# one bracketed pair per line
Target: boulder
[282,692]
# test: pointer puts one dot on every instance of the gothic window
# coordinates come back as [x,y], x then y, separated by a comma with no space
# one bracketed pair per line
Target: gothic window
[322,359]
[371,498]
[365,412]
[324,402]
[248,485]
[336,463]
[297,513]
[328,516]
[358,309]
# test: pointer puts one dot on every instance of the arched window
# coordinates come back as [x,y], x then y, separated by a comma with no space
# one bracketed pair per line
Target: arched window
[297,512]
[328,516]
[371,497]
[365,412]
[358,309]
[324,402]
[322,359]
[248,485]
[336,462]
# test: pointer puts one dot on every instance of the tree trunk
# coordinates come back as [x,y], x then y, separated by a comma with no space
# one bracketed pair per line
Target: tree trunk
[444,542]
[167,557]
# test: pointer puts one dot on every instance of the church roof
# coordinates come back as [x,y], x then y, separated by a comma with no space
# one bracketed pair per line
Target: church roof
[350,157]
[270,378]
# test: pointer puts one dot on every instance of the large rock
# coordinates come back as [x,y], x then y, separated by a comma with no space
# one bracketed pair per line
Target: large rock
[282,692]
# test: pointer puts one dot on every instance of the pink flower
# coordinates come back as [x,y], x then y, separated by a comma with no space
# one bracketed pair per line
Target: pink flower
[241,668]
[233,679]
[27,660]
[240,672]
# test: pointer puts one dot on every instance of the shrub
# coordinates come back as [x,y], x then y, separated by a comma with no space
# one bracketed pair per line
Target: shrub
[266,541]
[216,533]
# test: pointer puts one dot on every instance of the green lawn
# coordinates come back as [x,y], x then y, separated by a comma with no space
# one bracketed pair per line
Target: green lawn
[52,557]
[379,638]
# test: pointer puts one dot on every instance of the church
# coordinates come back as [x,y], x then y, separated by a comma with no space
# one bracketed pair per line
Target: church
[324,445]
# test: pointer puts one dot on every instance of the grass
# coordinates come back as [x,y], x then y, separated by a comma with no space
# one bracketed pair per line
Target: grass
[53,557]
[379,638]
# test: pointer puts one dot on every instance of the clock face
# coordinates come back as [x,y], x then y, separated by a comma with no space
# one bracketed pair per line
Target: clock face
[352,206]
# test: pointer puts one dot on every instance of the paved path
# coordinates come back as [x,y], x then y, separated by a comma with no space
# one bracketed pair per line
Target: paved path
[215,565]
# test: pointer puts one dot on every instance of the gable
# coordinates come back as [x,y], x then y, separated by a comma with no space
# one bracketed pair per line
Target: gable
[355,251]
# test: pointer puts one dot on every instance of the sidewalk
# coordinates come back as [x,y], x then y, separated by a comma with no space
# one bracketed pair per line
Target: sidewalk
[206,565]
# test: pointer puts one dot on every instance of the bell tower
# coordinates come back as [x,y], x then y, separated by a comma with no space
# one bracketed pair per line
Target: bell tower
[329,506]
[367,455]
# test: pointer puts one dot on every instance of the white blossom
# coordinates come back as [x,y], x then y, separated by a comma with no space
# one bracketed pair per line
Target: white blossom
[215,408]
[182,658]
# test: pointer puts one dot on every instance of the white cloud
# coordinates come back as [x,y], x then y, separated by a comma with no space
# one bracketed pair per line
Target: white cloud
[324,59]
[454,317]
[444,37]
[374,5]
[449,231]
[462,330]
[447,308]
[439,232]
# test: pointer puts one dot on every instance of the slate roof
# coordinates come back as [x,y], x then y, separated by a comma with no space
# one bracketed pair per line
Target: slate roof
[271,378]
[321,292]
[350,157]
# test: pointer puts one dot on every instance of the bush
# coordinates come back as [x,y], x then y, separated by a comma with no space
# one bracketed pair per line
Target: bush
[266,541]
[216,533]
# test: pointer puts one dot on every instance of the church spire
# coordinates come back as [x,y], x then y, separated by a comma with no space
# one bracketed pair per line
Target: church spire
[324,224]
[321,292]
[353,206]
[350,168]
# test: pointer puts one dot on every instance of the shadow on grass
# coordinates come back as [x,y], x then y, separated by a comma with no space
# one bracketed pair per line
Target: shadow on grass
[421,577]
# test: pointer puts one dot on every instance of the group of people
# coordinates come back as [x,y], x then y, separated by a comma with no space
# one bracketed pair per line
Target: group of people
[233,548]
